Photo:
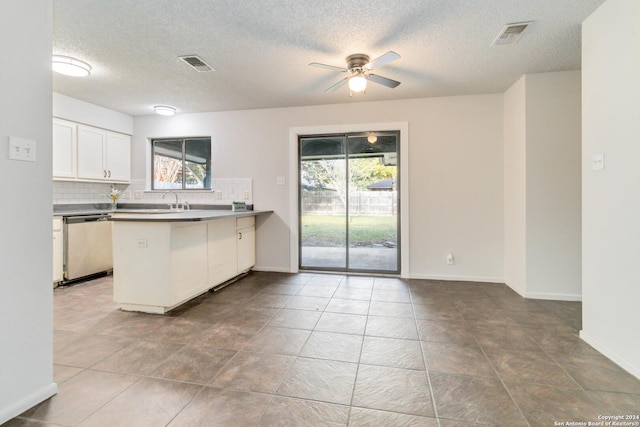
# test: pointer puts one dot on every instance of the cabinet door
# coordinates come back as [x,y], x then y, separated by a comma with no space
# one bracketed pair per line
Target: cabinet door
[64,149]
[58,250]
[246,248]
[91,143]
[222,250]
[118,157]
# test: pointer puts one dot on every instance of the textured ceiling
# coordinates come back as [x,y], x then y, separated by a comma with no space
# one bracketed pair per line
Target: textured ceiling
[261,49]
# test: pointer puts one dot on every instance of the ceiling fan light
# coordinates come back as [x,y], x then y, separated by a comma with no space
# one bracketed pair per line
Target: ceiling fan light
[164,110]
[70,66]
[357,83]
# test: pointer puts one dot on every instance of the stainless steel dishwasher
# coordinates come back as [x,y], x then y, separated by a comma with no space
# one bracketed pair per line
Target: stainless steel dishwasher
[88,248]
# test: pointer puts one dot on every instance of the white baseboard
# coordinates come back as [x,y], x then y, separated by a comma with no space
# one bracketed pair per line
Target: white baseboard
[16,408]
[614,356]
[457,278]
[272,269]
[554,297]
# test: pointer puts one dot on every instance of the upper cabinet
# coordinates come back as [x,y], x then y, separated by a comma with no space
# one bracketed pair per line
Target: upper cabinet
[86,153]
[64,149]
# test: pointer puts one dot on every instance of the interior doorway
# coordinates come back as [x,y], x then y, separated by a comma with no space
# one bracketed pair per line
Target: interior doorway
[349,202]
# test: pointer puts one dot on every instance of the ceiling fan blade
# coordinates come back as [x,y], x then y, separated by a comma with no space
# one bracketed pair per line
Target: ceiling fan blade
[337,85]
[328,67]
[382,60]
[383,81]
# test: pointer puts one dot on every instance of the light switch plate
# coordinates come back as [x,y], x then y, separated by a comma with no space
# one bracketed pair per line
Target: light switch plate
[281,180]
[22,149]
[598,162]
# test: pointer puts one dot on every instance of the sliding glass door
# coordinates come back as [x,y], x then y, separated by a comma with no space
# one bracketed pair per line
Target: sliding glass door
[349,187]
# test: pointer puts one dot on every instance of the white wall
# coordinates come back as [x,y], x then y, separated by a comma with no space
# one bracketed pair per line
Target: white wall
[455,168]
[515,187]
[553,123]
[611,201]
[26,304]
[542,186]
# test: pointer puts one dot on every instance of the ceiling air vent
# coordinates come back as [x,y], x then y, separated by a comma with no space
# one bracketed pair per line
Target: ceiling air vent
[511,33]
[197,63]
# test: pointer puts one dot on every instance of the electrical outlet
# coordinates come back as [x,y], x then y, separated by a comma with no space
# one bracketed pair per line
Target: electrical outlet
[245,195]
[126,195]
[218,194]
[450,259]
[138,194]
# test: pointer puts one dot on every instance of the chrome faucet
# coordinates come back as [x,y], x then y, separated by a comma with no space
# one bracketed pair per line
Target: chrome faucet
[177,199]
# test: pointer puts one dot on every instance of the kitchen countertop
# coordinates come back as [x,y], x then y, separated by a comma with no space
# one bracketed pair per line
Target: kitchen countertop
[159,212]
[163,215]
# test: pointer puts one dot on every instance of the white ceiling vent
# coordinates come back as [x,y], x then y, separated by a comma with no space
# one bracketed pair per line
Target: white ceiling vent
[511,33]
[197,63]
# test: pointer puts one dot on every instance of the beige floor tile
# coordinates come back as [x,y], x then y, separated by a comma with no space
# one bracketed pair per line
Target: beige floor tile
[362,417]
[474,400]
[149,402]
[254,372]
[322,380]
[215,407]
[333,346]
[342,323]
[278,341]
[393,389]
[80,396]
[392,352]
[196,362]
[284,411]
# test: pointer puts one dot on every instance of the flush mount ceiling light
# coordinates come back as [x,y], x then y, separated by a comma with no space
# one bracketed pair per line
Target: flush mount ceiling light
[70,66]
[372,139]
[164,110]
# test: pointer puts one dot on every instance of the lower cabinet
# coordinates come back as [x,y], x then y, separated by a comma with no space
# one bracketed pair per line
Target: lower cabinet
[160,265]
[246,243]
[58,251]
[222,251]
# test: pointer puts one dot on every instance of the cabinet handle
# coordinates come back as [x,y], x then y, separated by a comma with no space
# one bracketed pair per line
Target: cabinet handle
[104,172]
[240,236]
[109,173]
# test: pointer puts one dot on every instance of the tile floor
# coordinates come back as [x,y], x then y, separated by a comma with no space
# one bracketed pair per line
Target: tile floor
[328,350]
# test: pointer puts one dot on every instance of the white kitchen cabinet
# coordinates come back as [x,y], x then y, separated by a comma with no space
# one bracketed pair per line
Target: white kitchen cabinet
[222,250]
[58,251]
[64,149]
[246,243]
[103,155]
[118,157]
[158,265]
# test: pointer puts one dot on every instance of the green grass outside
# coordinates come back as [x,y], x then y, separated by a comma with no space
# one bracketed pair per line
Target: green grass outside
[329,230]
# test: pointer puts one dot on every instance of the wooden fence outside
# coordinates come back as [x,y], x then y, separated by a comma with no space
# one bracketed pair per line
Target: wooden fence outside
[370,203]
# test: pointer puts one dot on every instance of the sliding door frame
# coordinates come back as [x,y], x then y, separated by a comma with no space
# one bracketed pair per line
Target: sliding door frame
[347,165]
[294,196]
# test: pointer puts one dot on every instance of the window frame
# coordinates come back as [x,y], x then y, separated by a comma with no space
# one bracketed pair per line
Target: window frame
[183,140]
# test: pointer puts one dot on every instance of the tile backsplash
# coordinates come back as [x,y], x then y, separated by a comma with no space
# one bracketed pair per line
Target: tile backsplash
[224,192]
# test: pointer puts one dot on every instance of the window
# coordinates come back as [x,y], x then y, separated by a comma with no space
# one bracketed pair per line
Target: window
[181,163]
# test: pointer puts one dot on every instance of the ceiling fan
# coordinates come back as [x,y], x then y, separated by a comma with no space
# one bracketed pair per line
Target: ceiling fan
[359,67]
